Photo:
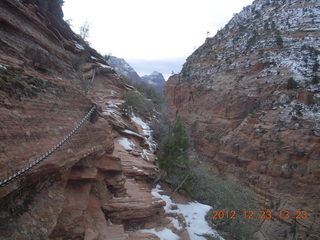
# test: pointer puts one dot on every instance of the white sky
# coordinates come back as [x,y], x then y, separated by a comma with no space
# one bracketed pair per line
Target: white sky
[151,30]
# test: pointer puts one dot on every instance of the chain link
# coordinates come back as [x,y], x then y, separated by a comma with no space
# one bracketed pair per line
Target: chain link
[50,152]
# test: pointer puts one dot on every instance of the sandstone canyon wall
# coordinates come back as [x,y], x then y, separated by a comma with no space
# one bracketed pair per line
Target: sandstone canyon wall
[251,99]
[93,187]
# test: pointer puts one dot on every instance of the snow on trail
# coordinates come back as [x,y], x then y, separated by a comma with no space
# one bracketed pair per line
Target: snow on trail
[165,234]
[194,214]
[146,131]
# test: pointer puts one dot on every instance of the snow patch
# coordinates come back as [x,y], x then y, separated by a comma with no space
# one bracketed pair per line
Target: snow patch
[126,144]
[113,93]
[114,104]
[139,121]
[132,133]
[105,66]
[175,223]
[145,154]
[78,46]
[165,234]
[151,82]
[110,112]
[137,169]
[146,131]
[3,67]
[194,214]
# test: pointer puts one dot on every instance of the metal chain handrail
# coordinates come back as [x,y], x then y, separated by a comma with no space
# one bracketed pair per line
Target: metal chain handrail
[50,152]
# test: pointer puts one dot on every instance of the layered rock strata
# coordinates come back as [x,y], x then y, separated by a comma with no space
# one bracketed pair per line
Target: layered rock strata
[91,188]
[250,97]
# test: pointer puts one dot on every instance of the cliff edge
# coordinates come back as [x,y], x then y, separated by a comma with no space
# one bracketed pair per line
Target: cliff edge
[251,99]
[94,186]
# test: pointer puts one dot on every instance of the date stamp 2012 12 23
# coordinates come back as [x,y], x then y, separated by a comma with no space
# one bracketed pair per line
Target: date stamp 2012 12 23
[262,214]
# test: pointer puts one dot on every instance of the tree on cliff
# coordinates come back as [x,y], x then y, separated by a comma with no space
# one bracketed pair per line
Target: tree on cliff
[84,30]
[173,153]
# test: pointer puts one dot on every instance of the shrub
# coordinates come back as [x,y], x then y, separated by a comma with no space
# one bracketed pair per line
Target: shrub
[160,126]
[38,59]
[279,40]
[172,154]
[257,14]
[226,195]
[251,41]
[315,67]
[77,61]
[315,80]
[144,101]
[292,84]
[148,91]
[135,101]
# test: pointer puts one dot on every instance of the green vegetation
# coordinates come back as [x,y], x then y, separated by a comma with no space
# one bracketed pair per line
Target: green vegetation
[315,67]
[173,154]
[257,14]
[279,41]
[292,84]
[136,102]
[144,100]
[77,61]
[278,38]
[198,182]
[146,90]
[160,126]
[315,80]
[252,41]
[225,194]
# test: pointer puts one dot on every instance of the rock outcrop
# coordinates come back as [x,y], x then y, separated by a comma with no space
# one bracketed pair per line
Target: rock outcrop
[156,80]
[93,187]
[123,68]
[251,98]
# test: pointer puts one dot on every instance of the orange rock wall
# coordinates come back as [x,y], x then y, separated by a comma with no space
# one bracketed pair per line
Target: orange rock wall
[243,118]
[86,190]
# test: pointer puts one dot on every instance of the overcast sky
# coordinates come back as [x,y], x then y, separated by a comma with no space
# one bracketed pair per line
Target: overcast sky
[150,32]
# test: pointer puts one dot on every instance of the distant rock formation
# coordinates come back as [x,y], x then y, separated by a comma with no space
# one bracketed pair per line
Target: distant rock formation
[156,80]
[123,68]
[251,98]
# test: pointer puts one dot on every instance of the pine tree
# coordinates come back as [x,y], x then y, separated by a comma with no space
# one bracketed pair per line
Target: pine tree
[173,153]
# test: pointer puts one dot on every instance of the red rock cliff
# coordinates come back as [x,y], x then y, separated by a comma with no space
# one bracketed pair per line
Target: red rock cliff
[92,188]
[250,97]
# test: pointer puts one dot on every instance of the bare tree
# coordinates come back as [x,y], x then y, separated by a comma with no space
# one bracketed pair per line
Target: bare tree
[84,30]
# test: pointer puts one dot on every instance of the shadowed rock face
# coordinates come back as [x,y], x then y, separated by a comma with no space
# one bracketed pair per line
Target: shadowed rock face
[49,79]
[156,80]
[123,68]
[248,119]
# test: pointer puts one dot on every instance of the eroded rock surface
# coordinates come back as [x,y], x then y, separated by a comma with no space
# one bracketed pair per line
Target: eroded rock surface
[92,188]
[250,96]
